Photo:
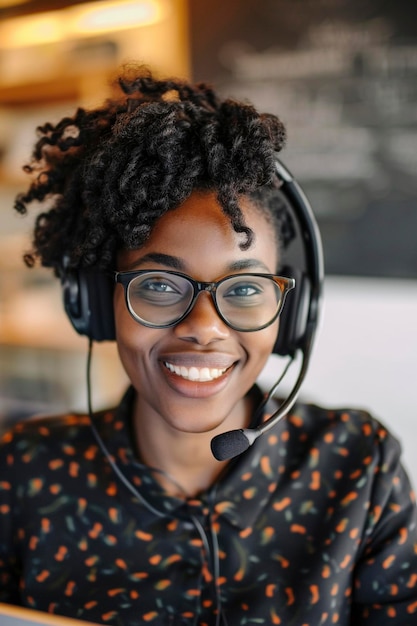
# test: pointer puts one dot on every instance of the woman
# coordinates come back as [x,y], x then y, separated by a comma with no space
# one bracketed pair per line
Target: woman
[125,517]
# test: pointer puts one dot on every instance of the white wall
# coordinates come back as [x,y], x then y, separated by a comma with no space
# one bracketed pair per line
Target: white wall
[366,355]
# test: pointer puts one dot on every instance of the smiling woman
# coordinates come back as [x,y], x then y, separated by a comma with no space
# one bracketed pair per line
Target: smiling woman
[176,232]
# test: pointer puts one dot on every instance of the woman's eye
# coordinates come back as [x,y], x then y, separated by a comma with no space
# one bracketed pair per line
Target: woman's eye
[159,286]
[157,291]
[243,291]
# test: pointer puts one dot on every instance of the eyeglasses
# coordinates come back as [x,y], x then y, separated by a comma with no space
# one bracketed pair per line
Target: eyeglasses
[245,302]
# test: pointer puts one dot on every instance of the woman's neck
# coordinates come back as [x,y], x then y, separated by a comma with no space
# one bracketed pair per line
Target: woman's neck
[185,463]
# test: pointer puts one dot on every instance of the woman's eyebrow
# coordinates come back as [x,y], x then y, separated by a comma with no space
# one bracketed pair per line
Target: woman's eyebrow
[179,264]
[247,264]
[161,259]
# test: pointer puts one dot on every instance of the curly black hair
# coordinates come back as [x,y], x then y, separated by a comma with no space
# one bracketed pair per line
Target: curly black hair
[105,176]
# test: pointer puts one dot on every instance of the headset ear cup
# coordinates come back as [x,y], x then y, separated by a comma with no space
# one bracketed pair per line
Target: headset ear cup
[71,295]
[293,318]
[100,288]
[88,302]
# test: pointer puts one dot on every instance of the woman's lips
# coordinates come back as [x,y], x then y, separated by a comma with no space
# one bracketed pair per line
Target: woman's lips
[196,374]
[198,380]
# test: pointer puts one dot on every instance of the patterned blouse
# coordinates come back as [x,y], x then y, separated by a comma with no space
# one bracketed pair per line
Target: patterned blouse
[314,525]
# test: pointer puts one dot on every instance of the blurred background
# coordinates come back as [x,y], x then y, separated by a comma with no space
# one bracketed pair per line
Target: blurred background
[341,74]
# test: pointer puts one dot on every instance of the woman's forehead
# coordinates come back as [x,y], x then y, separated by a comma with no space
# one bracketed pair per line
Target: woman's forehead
[200,228]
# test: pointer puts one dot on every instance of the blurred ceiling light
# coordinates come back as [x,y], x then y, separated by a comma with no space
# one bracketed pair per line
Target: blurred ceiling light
[83,20]
[7,4]
[31,30]
[101,17]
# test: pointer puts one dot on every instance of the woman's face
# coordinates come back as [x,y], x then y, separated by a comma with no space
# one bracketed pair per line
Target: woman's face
[196,239]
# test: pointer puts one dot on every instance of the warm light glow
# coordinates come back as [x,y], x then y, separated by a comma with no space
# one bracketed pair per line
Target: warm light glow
[93,18]
[31,30]
[100,17]
[7,4]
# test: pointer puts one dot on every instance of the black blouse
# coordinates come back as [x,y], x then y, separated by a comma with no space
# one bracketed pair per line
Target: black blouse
[314,525]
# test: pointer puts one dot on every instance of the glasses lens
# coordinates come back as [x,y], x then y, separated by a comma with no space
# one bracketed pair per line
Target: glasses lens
[159,298]
[249,302]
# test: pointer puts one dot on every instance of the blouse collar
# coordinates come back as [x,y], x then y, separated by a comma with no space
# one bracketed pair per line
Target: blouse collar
[239,495]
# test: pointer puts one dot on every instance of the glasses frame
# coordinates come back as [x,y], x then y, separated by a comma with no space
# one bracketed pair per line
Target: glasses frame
[125,278]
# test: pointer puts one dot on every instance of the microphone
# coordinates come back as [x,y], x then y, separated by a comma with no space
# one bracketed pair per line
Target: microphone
[234,442]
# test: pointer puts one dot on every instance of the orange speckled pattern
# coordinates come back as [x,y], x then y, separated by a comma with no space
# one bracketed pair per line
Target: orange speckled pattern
[314,525]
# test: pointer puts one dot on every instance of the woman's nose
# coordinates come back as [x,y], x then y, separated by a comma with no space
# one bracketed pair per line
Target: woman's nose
[203,324]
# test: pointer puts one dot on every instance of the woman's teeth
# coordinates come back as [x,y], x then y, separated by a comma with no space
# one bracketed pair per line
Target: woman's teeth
[197,374]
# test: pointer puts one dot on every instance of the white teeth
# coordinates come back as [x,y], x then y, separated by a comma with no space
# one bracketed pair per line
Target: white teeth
[197,374]
[193,373]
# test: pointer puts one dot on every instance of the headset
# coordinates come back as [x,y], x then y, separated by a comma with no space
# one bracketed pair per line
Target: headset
[88,302]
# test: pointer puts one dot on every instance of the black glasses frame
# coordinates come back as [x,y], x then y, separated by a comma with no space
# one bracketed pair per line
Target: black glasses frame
[125,278]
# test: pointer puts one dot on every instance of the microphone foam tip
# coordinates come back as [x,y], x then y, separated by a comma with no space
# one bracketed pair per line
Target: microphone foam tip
[230,444]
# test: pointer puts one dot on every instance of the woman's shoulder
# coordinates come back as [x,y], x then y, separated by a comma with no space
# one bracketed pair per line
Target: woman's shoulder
[344,431]
[37,446]
[318,416]
[46,430]
[352,420]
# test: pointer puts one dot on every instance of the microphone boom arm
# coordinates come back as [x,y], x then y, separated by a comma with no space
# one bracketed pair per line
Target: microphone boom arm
[234,442]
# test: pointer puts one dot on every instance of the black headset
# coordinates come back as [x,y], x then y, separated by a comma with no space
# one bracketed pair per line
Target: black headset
[88,293]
